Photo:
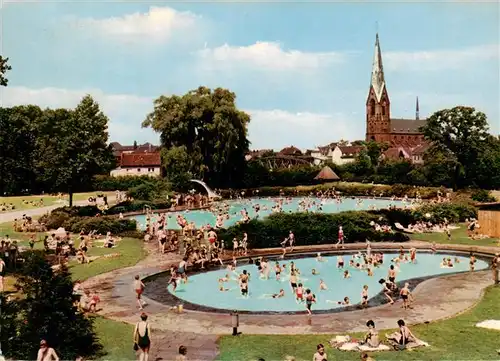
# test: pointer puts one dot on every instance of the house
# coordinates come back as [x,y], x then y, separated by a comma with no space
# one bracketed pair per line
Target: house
[345,154]
[253,154]
[119,149]
[396,153]
[138,163]
[417,153]
[291,151]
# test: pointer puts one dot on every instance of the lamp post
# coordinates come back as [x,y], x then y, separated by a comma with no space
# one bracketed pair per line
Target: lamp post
[235,322]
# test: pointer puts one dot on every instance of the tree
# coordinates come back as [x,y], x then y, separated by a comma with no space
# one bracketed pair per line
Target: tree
[375,150]
[177,165]
[4,67]
[76,149]
[18,133]
[47,312]
[462,132]
[209,128]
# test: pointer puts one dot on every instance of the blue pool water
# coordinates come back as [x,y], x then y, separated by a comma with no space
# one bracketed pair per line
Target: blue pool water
[203,288]
[204,217]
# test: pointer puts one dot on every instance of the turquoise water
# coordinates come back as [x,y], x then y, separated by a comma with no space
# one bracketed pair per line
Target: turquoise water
[204,217]
[203,288]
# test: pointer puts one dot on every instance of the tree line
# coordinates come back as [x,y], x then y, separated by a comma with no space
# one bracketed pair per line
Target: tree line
[53,150]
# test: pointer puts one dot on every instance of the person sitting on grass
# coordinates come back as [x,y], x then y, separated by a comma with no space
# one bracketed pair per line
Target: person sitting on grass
[401,338]
[371,338]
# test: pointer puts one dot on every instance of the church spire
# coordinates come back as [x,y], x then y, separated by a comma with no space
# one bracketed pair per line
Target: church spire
[417,111]
[378,81]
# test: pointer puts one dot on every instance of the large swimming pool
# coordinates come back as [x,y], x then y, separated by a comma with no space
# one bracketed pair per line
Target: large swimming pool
[202,288]
[204,217]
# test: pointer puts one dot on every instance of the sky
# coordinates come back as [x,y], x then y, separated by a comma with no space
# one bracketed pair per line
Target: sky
[300,69]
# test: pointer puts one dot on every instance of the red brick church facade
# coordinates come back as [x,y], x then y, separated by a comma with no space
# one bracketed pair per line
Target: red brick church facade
[380,127]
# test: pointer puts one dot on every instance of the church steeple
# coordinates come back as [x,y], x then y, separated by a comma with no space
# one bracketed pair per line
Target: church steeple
[417,111]
[378,81]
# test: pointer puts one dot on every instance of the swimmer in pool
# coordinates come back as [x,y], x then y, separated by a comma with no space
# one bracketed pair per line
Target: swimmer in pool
[280,294]
[314,272]
[370,272]
[320,258]
[322,285]
[364,296]
[221,287]
[347,274]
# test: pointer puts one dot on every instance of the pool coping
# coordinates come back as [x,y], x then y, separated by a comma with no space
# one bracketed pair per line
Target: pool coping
[169,299]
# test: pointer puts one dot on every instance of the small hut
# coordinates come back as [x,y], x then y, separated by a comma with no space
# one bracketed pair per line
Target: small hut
[327,174]
[489,219]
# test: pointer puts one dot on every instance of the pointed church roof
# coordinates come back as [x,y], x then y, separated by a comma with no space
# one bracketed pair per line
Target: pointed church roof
[378,81]
[327,174]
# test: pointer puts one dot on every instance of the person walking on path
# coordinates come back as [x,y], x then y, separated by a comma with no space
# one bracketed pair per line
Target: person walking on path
[142,338]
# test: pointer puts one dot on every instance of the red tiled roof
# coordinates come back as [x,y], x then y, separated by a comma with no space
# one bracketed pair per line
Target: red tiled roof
[290,151]
[147,159]
[420,149]
[395,153]
[350,149]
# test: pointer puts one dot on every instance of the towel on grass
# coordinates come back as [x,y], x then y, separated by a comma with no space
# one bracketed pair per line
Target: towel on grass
[490,324]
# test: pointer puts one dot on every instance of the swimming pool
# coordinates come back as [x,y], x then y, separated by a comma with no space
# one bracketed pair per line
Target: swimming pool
[202,289]
[203,217]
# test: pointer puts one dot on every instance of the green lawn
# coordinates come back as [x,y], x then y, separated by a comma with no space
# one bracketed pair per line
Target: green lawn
[116,339]
[47,200]
[130,249]
[458,236]
[453,339]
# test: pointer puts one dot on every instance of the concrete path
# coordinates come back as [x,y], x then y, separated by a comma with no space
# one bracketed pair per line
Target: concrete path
[35,212]
[436,299]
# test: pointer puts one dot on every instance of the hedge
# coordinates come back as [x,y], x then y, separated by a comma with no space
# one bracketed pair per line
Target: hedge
[76,223]
[123,183]
[310,229]
[136,206]
[346,189]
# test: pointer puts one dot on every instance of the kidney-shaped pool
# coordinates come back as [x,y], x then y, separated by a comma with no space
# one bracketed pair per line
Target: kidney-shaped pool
[203,288]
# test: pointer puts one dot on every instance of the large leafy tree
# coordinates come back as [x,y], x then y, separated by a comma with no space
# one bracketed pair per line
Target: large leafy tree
[4,67]
[206,131]
[73,146]
[18,133]
[461,132]
[47,311]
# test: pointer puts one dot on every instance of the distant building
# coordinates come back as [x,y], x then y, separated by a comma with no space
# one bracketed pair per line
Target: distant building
[345,154]
[380,127]
[291,151]
[137,160]
[146,163]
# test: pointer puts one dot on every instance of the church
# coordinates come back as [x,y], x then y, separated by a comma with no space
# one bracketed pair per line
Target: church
[380,127]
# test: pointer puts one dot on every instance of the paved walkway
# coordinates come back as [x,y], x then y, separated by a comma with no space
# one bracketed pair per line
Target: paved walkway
[35,212]
[198,330]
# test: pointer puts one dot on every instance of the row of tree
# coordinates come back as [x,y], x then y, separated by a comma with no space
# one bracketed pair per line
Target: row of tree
[52,150]
[462,154]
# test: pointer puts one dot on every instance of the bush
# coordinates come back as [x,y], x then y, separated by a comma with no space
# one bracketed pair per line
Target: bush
[78,211]
[311,229]
[47,311]
[100,225]
[346,189]
[453,212]
[482,196]
[137,206]
[124,183]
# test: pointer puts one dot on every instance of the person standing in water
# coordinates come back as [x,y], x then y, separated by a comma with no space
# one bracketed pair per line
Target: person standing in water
[244,283]
[142,337]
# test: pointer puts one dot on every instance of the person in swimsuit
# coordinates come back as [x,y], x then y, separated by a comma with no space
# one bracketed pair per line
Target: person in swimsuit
[320,354]
[406,296]
[181,270]
[299,293]
[46,353]
[340,262]
[280,294]
[371,338]
[340,238]
[402,337]
[139,289]
[346,274]
[364,296]
[322,285]
[293,281]
[387,289]
[142,337]
[277,271]
[244,283]
[310,298]
[392,274]
[2,274]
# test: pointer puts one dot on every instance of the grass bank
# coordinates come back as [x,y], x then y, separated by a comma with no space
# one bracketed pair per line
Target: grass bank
[453,339]
[458,236]
[24,202]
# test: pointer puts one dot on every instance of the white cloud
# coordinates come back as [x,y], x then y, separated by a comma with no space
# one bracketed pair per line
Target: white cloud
[267,56]
[440,59]
[126,112]
[158,24]
[277,129]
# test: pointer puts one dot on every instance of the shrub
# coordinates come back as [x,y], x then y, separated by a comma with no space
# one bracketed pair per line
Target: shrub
[47,311]
[453,212]
[482,196]
[78,211]
[136,206]
[311,229]
[54,220]
[124,183]
[100,224]
[346,189]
